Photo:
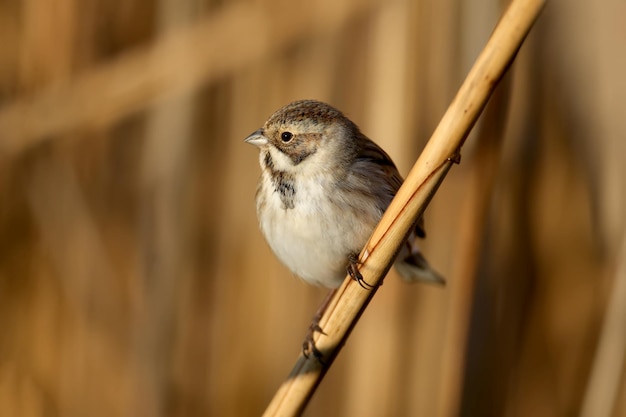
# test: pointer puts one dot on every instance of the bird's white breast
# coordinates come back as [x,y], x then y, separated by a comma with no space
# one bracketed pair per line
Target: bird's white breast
[314,237]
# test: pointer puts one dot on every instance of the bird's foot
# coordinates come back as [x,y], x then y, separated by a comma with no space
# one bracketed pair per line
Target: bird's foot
[308,346]
[353,271]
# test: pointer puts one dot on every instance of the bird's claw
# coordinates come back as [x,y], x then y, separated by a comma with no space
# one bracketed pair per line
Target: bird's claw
[308,346]
[353,271]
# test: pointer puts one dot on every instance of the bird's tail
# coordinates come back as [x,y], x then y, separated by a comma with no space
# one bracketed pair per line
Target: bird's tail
[412,265]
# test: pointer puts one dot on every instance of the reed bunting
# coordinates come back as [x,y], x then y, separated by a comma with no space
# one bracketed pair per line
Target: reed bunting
[324,187]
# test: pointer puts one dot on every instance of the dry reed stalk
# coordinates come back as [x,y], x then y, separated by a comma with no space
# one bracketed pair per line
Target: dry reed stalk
[411,200]
[602,395]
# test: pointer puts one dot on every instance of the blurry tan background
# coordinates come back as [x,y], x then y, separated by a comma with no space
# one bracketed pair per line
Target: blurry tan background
[134,280]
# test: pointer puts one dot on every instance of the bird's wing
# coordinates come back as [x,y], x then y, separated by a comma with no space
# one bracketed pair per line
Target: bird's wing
[369,151]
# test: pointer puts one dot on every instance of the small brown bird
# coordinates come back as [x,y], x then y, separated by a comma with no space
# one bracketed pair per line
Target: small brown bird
[324,187]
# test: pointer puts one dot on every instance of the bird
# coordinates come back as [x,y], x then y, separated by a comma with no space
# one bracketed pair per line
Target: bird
[324,187]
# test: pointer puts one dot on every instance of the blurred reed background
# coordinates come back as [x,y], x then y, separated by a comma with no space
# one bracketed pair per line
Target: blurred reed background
[134,280]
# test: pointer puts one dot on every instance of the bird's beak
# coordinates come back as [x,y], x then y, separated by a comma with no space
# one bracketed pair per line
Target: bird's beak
[257,138]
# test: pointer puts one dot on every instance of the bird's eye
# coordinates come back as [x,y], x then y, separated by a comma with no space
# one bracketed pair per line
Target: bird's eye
[286,136]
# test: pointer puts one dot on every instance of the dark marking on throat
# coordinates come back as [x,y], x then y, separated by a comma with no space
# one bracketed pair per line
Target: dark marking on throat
[269,162]
[285,187]
[283,183]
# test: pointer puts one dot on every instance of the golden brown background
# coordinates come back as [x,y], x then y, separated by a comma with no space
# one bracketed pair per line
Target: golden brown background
[134,280]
